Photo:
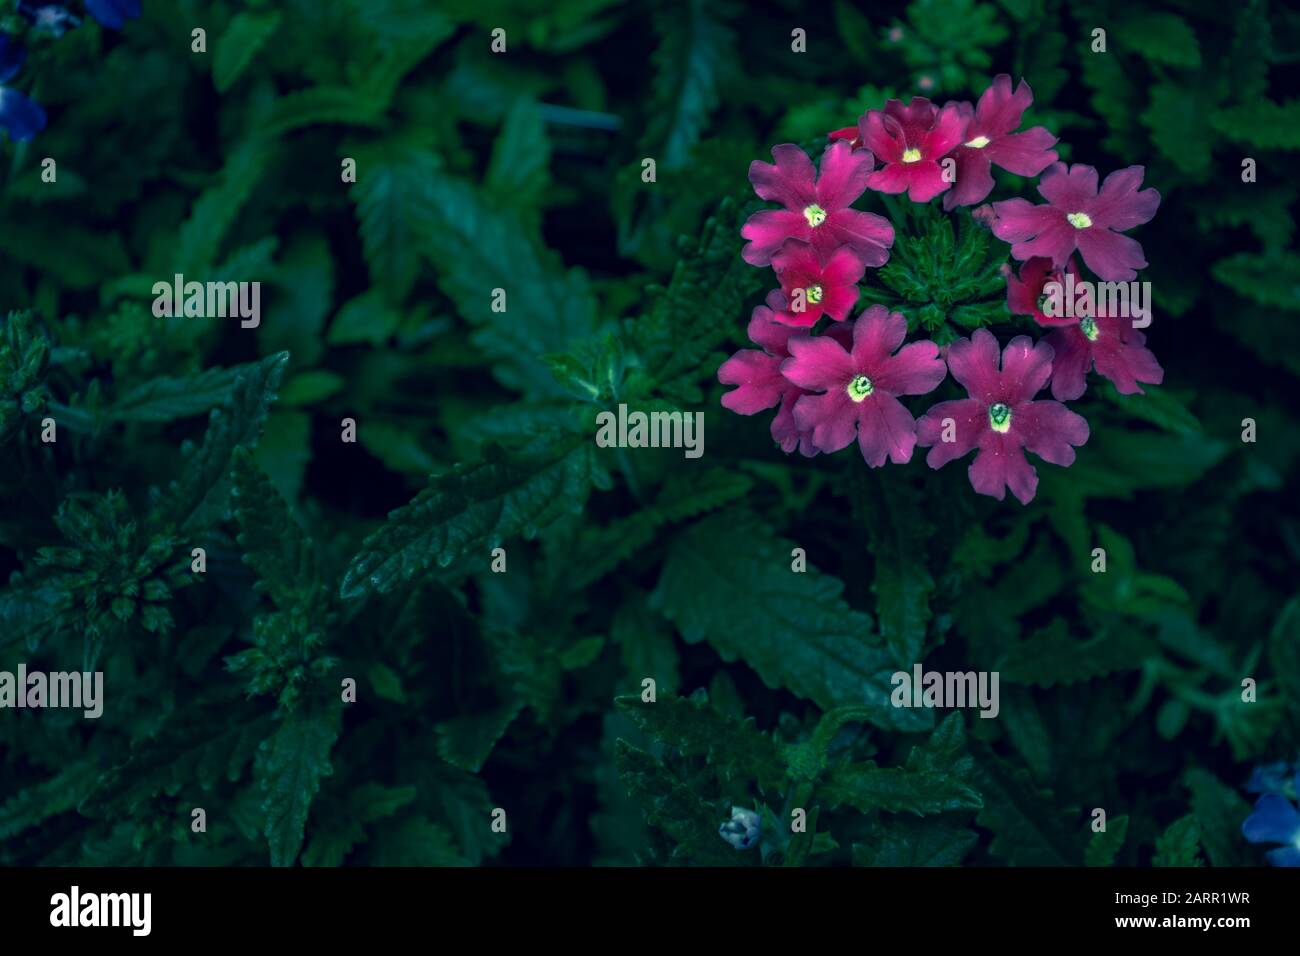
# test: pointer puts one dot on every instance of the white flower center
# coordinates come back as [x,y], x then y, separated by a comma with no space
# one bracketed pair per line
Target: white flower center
[1079,220]
[979,142]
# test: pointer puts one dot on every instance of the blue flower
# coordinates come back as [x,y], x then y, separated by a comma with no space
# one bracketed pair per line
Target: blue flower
[19,115]
[742,830]
[1276,820]
[113,13]
[52,18]
[1270,778]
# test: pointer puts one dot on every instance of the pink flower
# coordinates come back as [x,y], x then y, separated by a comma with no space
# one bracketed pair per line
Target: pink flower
[1110,343]
[989,139]
[860,386]
[814,286]
[1080,217]
[1026,295]
[910,141]
[1000,417]
[816,206]
[849,134]
[757,375]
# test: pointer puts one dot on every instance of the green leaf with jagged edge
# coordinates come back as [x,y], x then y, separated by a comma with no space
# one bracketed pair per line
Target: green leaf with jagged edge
[934,778]
[1271,279]
[215,213]
[476,505]
[244,36]
[738,749]
[1053,656]
[237,425]
[729,580]
[909,841]
[24,362]
[273,544]
[682,325]
[346,827]
[541,308]
[1180,844]
[195,747]
[1219,811]
[167,399]
[696,48]
[1027,824]
[1106,844]
[1261,123]
[467,741]
[391,219]
[674,807]
[289,770]
[599,550]
[518,175]
[1163,38]
[897,532]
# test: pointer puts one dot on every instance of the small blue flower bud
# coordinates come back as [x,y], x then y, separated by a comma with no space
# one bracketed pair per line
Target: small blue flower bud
[742,830]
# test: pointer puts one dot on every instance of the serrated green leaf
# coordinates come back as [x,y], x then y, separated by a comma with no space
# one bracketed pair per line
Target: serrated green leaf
[467,741]
[474,506]
[1106,844]
[737,748]
[247,33]
[1180,844]
[296,758]
[908,841]
[729,580]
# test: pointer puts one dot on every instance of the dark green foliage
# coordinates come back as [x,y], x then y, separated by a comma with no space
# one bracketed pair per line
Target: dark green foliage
[316,642]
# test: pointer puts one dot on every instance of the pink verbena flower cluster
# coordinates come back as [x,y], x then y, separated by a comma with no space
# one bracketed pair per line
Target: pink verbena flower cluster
[845,382]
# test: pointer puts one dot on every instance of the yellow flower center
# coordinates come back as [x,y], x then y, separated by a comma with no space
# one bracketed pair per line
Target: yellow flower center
[815,215]
[860,388]
[1089,328]
[1000,417]
[912,155]
[979,142]
[814,294]
[1079,220]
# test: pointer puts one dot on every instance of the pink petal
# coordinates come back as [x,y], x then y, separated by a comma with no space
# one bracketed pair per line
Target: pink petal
[799,261]
[844,267]
[926,181]
[876,334]
[999,110]
[947,132]
[974,363]
[818,363]
[885,430]
[1001,464]
[892,178]
[838,301]
[1026,367]
[882,136]
[1049,430]
[1113,256]
[970,420]
[765,331]
[759,378]
[790,182]
[1023,290]
[1070,362]
[1120,205]
[869,235]
[915,370]
[831,418]
[1121,356]
[843,176]
[767,230]
[1025,154]
[1069,189]
[974,178]
[785,432]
